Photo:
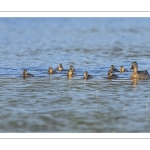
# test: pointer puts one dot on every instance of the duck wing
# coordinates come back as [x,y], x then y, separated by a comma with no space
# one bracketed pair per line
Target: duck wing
[115,70]
[143,74]
[126,70]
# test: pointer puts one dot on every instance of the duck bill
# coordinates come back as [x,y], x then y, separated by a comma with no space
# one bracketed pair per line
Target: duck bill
[131,67]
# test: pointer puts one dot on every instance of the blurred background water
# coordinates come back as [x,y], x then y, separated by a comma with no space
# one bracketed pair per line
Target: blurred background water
[57,104]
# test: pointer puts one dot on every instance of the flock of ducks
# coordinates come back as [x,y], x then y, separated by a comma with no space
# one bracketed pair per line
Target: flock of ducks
[141,75]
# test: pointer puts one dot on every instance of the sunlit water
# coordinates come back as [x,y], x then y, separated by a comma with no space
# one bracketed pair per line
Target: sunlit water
[55,103]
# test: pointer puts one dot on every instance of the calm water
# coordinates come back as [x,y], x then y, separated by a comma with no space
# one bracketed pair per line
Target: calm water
[55,103]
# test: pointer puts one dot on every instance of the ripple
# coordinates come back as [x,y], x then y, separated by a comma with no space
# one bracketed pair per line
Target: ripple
[55,103]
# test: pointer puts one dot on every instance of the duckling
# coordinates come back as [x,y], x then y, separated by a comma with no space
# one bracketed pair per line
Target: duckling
[86,75]
[143,75]
[70,73]
[122,69]
[111,75]
[112,67]
[51,71]
[60,67]
[71,68]
[25,74]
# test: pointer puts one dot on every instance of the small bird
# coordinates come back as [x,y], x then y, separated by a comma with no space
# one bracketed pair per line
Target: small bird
[71,68]
[51,71]
[60,67]
[70,73]
[112,67]
[25,74]
[86,75]
[122,69]
[111,75]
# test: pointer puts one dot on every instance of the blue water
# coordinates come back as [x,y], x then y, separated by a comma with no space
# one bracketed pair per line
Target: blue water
[55,103]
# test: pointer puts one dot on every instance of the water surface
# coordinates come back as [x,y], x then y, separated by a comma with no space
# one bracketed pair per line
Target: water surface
[57,104]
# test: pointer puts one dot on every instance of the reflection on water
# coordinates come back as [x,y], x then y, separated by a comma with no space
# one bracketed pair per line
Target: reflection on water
[58,103]
[134,82]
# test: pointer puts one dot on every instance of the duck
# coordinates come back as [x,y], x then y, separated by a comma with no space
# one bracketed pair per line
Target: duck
[122,69]
[70,73]
[111,75]
[86,75]
[51,71]
[142,75]
[25,74]
[71,68]
[60,67]
[112,67]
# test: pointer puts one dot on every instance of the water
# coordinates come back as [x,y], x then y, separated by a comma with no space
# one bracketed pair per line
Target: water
[55,103]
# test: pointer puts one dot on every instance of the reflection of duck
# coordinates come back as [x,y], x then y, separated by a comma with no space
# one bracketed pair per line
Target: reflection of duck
[87,76]
[122,69]
[71,68]
[51,71]
[112,67]
[143,75]
[111,75]
[134,82]
[70,73]
[60,67]
[25,74]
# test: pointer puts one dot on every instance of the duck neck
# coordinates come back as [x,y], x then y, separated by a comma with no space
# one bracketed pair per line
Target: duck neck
[135,69]
[24,73]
